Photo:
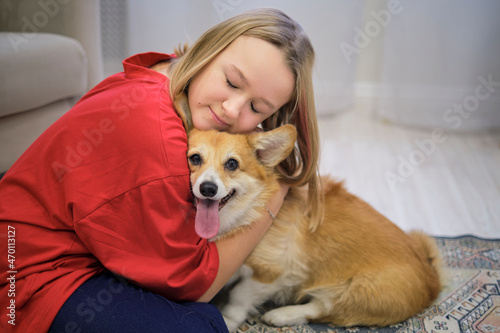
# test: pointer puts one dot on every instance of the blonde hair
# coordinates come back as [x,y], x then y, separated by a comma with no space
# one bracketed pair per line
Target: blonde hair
[275,27]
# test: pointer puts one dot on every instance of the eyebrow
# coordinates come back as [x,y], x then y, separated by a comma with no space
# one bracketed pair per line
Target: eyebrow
[244,79]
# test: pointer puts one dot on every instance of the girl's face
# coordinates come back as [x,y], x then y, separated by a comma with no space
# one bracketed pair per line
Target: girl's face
[241,87]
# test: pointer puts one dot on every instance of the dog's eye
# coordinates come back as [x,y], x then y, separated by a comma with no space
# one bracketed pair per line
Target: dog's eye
[231,164]
[195,159]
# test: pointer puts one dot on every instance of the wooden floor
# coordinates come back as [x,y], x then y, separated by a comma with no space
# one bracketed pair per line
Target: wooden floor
[448,185]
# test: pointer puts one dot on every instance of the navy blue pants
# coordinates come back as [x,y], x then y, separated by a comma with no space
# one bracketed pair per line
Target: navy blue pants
[105,303]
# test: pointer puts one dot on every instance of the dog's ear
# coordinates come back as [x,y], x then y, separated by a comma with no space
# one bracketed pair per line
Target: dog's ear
[182,107]
[274,146]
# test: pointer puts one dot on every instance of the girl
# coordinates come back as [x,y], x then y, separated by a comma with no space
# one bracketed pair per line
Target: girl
[100,204]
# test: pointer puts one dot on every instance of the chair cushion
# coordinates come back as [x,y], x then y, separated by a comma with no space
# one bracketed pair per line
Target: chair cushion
[39,68]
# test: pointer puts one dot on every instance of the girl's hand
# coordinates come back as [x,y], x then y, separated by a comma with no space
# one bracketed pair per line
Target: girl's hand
[276,201]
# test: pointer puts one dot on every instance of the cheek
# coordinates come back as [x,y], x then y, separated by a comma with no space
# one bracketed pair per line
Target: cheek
[197,89]
[205,89]
[199,121]
[194,90]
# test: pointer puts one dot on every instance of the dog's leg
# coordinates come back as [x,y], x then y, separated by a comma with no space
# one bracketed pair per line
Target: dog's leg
[244,298]
[242,273]
[294,314]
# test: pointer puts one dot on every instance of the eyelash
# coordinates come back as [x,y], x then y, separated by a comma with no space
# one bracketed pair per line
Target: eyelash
[230,85]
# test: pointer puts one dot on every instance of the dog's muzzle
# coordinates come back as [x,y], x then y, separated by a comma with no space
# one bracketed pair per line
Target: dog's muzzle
[207,221]
[208,189]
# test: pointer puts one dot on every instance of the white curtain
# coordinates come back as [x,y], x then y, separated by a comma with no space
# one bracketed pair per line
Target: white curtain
[441,65]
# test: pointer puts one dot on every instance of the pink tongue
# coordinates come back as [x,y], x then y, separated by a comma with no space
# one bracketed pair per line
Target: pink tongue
[207,218]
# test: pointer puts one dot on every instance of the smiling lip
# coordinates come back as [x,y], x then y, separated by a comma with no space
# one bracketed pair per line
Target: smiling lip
[217,119]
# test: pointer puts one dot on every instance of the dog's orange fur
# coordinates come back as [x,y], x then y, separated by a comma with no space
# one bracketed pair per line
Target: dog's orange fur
[254,183]
[367,269]
[357,267]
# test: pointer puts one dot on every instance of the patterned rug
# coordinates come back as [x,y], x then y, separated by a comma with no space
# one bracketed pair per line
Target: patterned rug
[469,303]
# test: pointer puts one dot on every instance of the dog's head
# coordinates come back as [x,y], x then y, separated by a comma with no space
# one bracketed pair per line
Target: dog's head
[232,176]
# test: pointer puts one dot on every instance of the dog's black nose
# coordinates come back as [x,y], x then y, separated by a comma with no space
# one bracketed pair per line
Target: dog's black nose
[208,189]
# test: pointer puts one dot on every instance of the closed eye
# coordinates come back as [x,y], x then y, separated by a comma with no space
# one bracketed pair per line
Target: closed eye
[253,108]
[230,84]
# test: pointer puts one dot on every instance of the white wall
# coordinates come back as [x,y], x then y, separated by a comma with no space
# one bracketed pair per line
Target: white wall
[441,65]
[417,59]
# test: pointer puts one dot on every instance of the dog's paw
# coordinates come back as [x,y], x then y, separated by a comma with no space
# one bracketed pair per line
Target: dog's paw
[287,315]
[232,325]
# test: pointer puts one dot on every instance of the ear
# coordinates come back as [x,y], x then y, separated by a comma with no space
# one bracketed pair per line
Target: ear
[182,107]
[274,146]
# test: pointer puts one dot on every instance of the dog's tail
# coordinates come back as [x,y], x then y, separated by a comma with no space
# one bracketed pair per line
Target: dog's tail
[428,246]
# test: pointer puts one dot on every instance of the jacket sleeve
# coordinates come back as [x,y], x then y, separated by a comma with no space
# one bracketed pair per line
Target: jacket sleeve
[147,236]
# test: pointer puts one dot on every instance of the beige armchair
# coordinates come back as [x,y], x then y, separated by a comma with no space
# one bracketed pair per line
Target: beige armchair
[50,55]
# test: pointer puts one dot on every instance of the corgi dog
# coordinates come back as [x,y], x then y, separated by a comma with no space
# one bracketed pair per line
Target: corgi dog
[356,268]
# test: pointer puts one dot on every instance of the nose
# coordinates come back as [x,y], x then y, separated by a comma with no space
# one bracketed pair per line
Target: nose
[233,106]
[208,189]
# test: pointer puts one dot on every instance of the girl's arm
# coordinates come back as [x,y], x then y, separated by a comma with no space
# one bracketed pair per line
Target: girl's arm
[234,250]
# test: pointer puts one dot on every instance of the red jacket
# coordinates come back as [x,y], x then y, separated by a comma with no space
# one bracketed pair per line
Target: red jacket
[107,185]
